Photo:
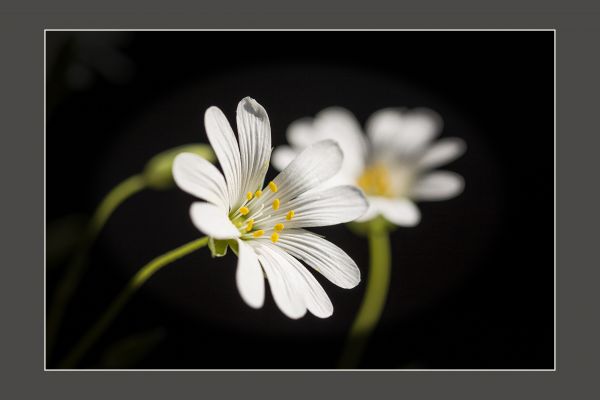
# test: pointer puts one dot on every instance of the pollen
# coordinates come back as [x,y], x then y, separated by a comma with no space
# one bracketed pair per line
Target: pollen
[274,237]
[273,187]
[249,196]
[290,215]
[244,210]
[258,193]
[249,225]
[278,227]
[276,203]
[258,233]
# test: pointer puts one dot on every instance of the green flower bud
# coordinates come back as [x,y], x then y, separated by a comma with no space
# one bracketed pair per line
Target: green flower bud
[157,172]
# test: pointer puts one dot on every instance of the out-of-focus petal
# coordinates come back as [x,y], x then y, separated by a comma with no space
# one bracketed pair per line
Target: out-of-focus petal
[282,157]
[438,185]
[402,212]
[398,133]
[442,152]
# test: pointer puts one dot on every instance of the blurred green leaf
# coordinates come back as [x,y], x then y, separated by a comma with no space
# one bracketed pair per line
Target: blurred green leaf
[62,238]
[130,351]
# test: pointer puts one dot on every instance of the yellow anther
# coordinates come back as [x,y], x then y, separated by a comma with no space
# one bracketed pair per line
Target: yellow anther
[290,215]
[249,196]
[244,210]
[276,203]
[274,237]
[258,193]
[258,233]
[278,227]
[273,187]
[250,224]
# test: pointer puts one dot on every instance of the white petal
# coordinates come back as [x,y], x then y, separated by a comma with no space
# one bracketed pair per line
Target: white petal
[222,139]
[370,213]
[401,212]
[213,221]
[439,185]
[301,133]
[402,133]
[254,132]
[442,152]
[322,255]
[340,125]
[332,206]
[197,176]
[285,283]
[315,298]
[249,276]
[316,164]
[282,157]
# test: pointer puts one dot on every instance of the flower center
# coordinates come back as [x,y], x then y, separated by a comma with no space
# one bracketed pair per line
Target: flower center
[375,181]
[387,181]
[260,215]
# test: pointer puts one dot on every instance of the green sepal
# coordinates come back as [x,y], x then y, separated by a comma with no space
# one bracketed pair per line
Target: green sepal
[217,247]
[157,172]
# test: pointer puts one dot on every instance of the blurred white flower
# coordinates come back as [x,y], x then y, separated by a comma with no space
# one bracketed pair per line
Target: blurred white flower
[266,223]
[393,166]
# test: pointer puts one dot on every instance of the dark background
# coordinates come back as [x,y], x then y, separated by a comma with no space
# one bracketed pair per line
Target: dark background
[472,285]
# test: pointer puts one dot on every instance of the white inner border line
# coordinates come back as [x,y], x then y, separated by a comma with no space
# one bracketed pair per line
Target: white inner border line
[303,30]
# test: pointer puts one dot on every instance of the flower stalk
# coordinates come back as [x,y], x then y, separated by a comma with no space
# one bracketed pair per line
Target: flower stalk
[134,284]
[375,294]
[156,175]
[75,269]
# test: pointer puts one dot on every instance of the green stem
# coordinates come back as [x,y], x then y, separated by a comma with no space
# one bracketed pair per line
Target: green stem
[134,284]
[76,267]
[375,295]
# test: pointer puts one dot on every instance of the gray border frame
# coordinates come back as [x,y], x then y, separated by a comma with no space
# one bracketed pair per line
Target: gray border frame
[22,211]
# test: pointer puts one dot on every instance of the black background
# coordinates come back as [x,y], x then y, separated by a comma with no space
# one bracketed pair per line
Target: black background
[472,285]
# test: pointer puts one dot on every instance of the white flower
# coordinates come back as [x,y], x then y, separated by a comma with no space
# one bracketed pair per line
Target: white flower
[266,223]
[392,168]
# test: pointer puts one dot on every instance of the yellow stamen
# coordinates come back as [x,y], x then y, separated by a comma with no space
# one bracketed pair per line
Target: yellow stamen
[276,204]
[249,196]
[278,227]
[258,233]
[244,210]
[258,193]
[274,237]
[250,224]
[290,215]
[273,187]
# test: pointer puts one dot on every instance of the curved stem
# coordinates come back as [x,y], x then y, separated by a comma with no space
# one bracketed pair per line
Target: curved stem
[75,269]
[375,295]
[135,283]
